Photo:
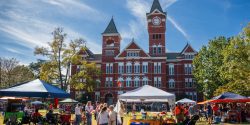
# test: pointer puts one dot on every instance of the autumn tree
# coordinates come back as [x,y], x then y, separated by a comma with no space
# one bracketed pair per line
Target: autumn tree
[12,73]
[54,54]
[59,57]
[7,67]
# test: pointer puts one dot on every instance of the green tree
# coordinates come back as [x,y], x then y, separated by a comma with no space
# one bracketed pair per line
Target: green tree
[36,67]
[207,66]
[236,64]
[85,77]
[71,56]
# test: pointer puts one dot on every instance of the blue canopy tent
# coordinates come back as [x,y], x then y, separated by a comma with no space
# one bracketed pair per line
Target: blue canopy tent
[35,88]
[229,95]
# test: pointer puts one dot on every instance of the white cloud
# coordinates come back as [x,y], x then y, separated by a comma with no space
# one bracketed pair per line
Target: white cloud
[139,8]
[75,8]
[178,27]
[167,3]
[13,50]
[30,29]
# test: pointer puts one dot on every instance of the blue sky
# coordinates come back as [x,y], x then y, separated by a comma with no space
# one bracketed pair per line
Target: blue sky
[25,24]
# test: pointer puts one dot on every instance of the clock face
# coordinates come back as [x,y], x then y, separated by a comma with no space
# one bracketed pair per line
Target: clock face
[156,21]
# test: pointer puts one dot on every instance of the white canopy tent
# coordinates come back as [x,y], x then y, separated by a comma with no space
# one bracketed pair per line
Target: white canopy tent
[148,93]
[187,101]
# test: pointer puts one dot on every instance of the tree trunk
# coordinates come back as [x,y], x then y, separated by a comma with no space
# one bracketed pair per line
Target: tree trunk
[59,67]
[66,77]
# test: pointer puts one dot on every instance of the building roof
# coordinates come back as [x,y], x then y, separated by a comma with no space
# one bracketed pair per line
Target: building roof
[188,48]
[111,28]
[156,5]
[133,45]
[172,55]
[97,57]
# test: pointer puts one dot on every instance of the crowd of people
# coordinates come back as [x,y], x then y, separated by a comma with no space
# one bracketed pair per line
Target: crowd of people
[213,113]
[104,114]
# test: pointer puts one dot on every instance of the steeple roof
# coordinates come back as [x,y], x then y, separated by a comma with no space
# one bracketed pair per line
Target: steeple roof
[156,5]
[111,28]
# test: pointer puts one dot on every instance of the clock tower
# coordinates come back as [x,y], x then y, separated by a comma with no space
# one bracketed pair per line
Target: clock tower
[156,19]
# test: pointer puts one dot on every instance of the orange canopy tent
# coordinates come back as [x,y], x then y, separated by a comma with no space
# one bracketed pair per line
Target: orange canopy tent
[204,102]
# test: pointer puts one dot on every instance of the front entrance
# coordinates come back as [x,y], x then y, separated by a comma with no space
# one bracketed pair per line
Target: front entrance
[109,99]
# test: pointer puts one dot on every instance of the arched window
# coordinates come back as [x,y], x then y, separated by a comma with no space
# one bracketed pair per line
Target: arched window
[171,83]
[145,81]
[137,67]
[129,67]
[136,82]
[110,43]
[171,69]
[128,82]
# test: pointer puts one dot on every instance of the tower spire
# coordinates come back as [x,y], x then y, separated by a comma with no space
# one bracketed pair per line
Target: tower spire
[156,5]
[111,28]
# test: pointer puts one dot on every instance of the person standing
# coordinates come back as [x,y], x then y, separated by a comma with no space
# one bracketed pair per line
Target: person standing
[122,112]
[112,115]
[209,113]
[88,109]
[134,107]
[191,110]
[179,113]
[78,114]
[103,117]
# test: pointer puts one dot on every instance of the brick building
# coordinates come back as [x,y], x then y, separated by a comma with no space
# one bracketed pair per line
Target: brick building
[133,67]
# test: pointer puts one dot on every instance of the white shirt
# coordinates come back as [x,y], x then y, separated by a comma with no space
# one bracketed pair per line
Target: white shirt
[134,107]
[77,110]
[89,108]
[112,115]
[103,117]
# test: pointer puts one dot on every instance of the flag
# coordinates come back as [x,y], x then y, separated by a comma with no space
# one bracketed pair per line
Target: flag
[119,83]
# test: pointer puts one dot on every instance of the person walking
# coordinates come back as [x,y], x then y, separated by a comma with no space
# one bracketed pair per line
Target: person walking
[112,115]
[78,114]
[103,117]
[88,109]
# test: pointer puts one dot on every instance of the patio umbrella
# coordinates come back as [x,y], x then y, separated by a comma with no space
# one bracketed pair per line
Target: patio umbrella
[37,103]
[68,100]
[35,88]
[187,101]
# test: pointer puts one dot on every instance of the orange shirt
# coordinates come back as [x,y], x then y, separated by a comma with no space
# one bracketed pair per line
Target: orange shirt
[178,110]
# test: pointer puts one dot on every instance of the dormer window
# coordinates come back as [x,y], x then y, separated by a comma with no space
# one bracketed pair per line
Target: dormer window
[132,53]
[189,56]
